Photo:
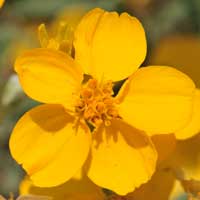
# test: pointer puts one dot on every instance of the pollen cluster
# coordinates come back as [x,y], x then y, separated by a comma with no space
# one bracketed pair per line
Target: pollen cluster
[96,103]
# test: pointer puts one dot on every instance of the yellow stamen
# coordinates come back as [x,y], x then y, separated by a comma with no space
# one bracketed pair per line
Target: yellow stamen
[96,103]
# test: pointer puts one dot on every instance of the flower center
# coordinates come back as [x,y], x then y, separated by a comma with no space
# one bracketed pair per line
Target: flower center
[96,103]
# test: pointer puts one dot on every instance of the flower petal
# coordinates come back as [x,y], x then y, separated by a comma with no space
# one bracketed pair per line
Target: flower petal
[83,38]
[48,146]
[108,45]
[76,189]
[48,75]
[122,158]
[157,99]
[158,188]
[194,126]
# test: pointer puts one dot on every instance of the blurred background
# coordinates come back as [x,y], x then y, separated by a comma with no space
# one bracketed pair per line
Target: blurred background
[172,30]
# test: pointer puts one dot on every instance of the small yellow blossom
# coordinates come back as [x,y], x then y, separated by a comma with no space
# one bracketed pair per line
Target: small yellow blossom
[53,141]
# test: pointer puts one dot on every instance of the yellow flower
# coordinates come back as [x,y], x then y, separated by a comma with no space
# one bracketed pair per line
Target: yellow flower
[53,141]
[1,3]
[78,188]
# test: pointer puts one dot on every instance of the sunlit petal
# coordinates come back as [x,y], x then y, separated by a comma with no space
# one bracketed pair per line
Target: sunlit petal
[48,75]
[109,45]
[47,144]
[157,99]
[122,158]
